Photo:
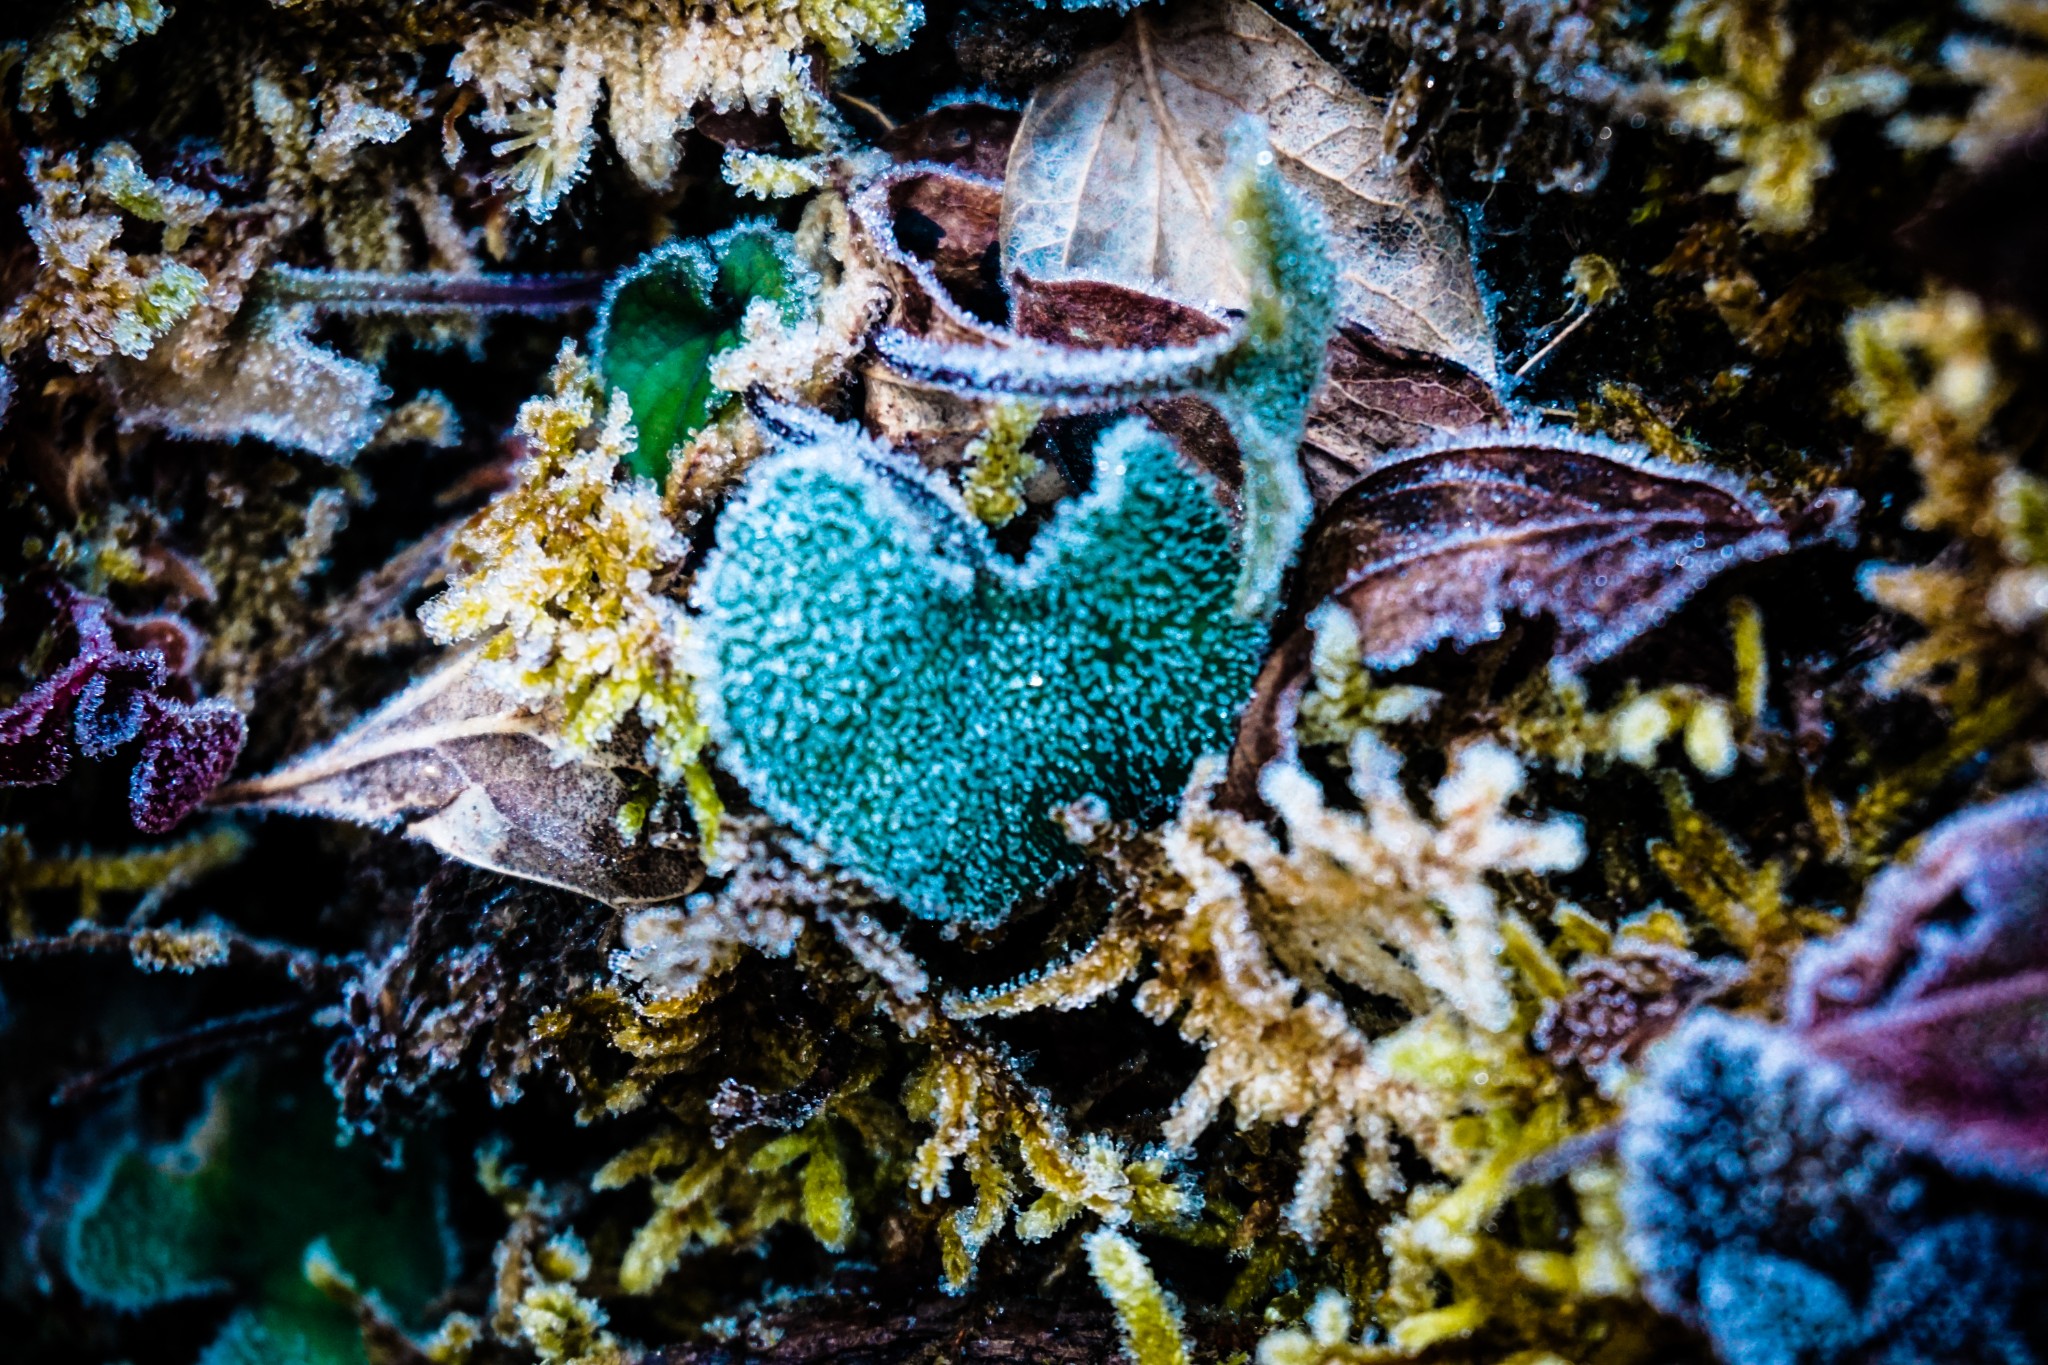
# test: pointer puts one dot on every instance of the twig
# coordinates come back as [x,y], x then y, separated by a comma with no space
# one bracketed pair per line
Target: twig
[1553,343]
[216,1035]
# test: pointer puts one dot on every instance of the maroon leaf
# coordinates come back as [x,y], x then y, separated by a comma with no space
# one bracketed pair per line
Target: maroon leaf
[104,696]
[1937,998]
[187,751]
[1441,544]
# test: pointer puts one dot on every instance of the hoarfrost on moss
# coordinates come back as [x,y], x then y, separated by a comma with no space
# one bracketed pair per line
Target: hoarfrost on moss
[564,580]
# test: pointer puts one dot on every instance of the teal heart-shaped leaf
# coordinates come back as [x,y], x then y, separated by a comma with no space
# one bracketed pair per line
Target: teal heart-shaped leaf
[669,315]
[887,682]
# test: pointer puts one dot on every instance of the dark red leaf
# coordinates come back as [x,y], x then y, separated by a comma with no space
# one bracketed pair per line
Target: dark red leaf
[1443,543]
[187,751]
[1440,544]
[1937,998]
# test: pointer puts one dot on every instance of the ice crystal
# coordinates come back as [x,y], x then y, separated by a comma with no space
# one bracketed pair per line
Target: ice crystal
[891,685]
[1394,901]
[986,1122]
[653,71]
[562,578]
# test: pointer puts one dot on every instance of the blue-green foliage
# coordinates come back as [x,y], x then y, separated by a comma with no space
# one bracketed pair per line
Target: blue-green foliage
[666,317]
[887,682]
[235,1208]
[1271,379]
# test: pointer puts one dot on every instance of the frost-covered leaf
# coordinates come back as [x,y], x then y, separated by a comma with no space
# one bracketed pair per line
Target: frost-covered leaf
[1943,1019]
[668,316]
[1261,375]
[1376,397]
[1380,397]
[465,770]
[270,382]
[1118,168]
[123,680]
[903,694]
[1440,544]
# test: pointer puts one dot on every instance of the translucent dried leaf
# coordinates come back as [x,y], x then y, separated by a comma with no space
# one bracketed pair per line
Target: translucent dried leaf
[1117,174]
[465,770]
[1380,397]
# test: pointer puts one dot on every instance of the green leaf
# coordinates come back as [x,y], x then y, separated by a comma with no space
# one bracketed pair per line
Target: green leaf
[234,1208]
[668,316]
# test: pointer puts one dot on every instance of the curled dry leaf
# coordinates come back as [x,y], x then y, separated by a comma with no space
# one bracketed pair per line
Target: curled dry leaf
[462,768]
[1936,1001]
[950,207]
[1442,543]
[1116,175]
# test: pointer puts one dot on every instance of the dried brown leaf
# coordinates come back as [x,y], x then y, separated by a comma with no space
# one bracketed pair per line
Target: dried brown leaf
[936,425]
[969,136]
[462,768]
[1381,397]
[1115,176]
[1441,544]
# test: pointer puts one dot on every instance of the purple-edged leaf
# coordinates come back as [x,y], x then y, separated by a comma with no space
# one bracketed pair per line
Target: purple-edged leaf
[1908,943]
[187,751]
[1441,544]
[1936,1000]
[114,701]
[35,747]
